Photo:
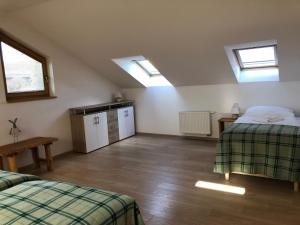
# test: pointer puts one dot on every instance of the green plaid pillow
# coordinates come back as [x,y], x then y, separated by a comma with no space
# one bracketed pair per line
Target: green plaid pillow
[9,179]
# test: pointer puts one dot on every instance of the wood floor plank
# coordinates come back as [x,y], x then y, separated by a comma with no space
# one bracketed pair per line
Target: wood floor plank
[161,172]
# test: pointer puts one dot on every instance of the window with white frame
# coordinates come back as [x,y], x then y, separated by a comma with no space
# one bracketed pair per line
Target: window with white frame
[257,57]
[141,69]
[254,61]
[148,67]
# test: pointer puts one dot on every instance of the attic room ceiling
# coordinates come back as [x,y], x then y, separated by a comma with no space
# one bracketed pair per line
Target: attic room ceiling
[184,39]
[13,5]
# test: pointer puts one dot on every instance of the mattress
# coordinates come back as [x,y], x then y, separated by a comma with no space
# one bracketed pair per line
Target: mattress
[270,150]
[59,203]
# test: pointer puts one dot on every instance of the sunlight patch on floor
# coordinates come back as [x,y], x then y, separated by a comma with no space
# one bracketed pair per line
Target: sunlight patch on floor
[221,187]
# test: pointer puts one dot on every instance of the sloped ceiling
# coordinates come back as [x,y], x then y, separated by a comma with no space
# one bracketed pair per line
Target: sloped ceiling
[184,39]
[7,6]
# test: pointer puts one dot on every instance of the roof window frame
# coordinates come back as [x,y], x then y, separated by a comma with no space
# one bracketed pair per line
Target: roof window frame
[146,70]
[241,64]
[28,95]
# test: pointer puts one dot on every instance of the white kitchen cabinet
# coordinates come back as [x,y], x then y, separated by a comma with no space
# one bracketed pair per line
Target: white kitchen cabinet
[126,122]
[96,126]
[96,131]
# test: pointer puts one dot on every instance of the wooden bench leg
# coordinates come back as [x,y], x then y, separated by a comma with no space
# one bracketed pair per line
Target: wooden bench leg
[49,157]
[296,186]
[1,163]
[12,163]
[36,157]
[227,176]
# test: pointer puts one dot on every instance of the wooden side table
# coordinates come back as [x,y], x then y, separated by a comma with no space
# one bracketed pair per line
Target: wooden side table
[10,152]
[223,121]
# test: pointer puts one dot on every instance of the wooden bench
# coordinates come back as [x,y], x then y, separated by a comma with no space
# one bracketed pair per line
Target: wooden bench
[10,152]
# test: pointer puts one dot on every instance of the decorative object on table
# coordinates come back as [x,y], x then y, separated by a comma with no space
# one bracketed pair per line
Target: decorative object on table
[118,97]
[14,131]
[235,110]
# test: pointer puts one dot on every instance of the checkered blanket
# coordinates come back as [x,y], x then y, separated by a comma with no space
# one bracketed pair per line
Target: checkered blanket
[47,202]
[269,150]
[9,179]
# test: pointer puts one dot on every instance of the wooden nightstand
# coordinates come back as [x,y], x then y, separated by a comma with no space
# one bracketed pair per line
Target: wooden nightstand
[223,121]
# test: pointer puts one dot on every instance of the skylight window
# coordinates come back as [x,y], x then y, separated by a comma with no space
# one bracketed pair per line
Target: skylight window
[148,67]
[254,61]
[258,57]
[142,70]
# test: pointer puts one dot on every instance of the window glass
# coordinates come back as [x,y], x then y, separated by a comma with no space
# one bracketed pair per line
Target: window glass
[148,66]
[22,73]
[257,57]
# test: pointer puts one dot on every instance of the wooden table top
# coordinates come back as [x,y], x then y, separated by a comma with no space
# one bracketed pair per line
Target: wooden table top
[21,146]
[227,119]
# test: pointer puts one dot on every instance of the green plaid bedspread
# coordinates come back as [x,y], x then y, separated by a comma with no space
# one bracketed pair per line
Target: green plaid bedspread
[9,179]
[47,202]
[269,150]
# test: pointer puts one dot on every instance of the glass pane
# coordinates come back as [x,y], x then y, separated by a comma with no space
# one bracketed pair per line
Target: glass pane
[259,64]
[148,67]
[258,57]
[22,73]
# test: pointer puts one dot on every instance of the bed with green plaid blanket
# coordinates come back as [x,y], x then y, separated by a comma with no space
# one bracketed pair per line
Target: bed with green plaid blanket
[48,202]
[9,179]
[264,149]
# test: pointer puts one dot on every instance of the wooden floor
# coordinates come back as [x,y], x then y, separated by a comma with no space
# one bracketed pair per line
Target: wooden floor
[160,173]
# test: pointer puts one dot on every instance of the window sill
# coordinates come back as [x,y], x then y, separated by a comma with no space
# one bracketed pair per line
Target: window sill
[27,99]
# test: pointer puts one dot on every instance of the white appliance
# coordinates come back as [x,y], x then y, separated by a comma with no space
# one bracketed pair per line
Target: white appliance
[96,131]
[126,122]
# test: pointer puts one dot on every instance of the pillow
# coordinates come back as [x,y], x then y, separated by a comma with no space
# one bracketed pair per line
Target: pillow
[269,111]
[268,118]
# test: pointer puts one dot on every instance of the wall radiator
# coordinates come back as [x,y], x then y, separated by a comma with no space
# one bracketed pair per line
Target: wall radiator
[195,122]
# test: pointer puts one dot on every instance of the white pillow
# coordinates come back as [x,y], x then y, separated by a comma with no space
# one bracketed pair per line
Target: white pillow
[269,111]
[268,119]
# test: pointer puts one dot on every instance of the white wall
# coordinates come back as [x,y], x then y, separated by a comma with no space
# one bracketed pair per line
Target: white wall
[158,107]
[75,85]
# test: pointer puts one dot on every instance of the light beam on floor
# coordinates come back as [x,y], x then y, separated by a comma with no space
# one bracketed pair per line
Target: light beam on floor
[221,187]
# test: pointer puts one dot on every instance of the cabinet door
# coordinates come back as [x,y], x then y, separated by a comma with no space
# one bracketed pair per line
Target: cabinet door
[130,122]
[102,129]
[91,132]
[122,123]
[126,122]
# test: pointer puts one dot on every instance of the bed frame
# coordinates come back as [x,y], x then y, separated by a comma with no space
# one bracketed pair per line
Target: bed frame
[227,178]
